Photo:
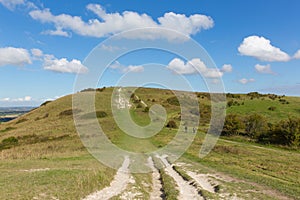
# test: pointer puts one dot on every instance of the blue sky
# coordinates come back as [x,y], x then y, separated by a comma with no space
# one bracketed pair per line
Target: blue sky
[43,44]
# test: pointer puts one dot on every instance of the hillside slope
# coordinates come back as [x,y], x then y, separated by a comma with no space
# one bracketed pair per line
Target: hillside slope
[42,157]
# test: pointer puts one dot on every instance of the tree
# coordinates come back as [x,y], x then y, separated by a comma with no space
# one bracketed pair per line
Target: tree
[255,125]
[232,125]
[287,132]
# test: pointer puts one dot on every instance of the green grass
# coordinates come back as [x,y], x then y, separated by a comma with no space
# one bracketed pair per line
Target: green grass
[61,178]
[52,142]
[171,193]
[275,168]
[261,105]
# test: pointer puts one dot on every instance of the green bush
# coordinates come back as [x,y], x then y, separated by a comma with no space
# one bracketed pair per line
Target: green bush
[255,125]
[99,114]
[69,112]
[272,108]
[286,132]
[10,140]
[21,120]
[8,143]
[173,101]
[232,125]
[146,109]
[140,105]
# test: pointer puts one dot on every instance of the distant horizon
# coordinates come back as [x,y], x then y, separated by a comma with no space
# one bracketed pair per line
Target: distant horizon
[37,105]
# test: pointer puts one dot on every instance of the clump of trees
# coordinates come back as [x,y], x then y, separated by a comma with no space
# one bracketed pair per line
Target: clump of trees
[233,103]
[256,127]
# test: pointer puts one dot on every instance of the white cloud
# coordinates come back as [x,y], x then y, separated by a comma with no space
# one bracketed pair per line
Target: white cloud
[11,4]
[21,99]
[132,68]
[193,66]
[63,65]
[37,53]
[264,69]
[110,48]
[226,68]
[262,49]
[245,81]
[125,69]
[57,32]
[111,23]
[27,98]
[297,55]
[5,99]
[14,56]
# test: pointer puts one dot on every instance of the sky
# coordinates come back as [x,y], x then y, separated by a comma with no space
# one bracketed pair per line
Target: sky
[45,44]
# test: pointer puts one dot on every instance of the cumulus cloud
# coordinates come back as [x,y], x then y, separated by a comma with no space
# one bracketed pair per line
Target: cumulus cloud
[297,55]
[245,81]
[14,56]
[63,65]
[37,53]
[262,49]
[57,32]
[226,68]
[111,23]
[193,66]
[264,69]
[126,69]
[19,57]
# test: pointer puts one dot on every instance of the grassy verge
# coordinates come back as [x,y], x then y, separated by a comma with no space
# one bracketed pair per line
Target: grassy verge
[277,169]
[171,193]
[62,178]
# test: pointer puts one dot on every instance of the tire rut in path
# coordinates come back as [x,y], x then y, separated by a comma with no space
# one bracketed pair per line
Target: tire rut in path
[186,191]
[156,193]
[118,185]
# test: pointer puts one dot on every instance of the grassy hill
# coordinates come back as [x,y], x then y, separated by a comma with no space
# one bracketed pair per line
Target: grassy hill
[42,157]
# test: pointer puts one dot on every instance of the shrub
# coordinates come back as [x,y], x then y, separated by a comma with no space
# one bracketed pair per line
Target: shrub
[272,108]
[173,101]
[171,124]
[100,89]
[7,129]
[287,132]
[99,114]
[139,105]
[21,120]
[230,103]
[69,112]
[232,125]
[8,143]
[146,109]
[10,140]
[88,90]
[255,125]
